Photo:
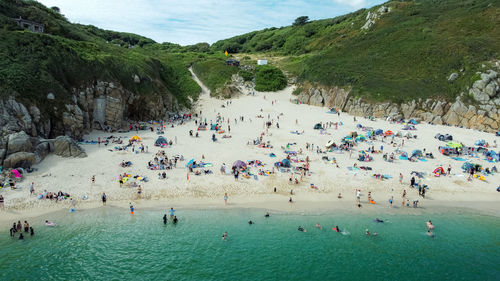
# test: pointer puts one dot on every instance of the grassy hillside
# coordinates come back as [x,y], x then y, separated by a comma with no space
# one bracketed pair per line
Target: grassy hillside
[70,55]
[214,73]
[409,53]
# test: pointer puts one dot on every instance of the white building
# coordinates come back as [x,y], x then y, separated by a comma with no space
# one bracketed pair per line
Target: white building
[261,62]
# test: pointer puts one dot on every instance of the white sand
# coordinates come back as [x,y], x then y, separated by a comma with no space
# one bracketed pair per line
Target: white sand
[73,175]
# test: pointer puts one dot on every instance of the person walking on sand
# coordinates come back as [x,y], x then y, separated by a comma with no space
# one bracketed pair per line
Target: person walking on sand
[103,197]
[400,178]
[449,170]
[2,206]
[93,180]
[390,201]
[139,192]
[32,188]
[225,198]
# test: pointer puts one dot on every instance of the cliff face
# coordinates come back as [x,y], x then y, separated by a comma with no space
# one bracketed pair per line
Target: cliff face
[104,105]
[483,115]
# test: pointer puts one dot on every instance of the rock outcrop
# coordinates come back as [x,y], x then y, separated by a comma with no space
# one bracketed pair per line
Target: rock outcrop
[483,115]
[234,88]
[19,159]
[66,147]
[372,17]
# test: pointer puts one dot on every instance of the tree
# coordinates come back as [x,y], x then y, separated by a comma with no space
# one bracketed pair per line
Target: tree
[301,20]
[56,9]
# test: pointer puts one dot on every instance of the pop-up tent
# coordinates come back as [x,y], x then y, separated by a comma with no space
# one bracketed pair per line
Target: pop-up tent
[161,141]
[480,142]
[190,163]
[388,133]
[413,121]
[285,163]
[417,153]
[379,132]
[202,127]
[318,127]
[239,164]
[213,127]
[439,170]
[333,110]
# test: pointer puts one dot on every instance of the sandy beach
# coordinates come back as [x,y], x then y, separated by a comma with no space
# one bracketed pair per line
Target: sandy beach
[73,175]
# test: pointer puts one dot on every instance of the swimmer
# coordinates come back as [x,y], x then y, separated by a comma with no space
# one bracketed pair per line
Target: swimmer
[266,215]
[337,228]
[165,219]
[302,229]
[21,236]
[319,226]
[250,222]
[367,232]
[378,220]
[48,223]
[175,220]
[430,234]
[339,196]
[224,236]
[430,225]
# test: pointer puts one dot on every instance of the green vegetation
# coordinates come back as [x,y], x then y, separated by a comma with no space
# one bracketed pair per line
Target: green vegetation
[71,55]
[269,78]
[214,73]
[247,75]
[409,53]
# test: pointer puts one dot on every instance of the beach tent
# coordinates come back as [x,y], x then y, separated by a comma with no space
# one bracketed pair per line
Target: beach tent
[417,153]
[453,144]
[360,138]
[468,165]
[135,138]
[161,141]
[439,170]
[413,121]
[285,163]
[388,133]
[202,128]
[480,142]
[379,132]
[498,133]
[318,127]
[213,127]
[239,164]
[333,110]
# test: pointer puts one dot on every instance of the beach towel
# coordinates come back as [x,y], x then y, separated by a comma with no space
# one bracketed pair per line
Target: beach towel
[458,159]
[423,160]
[16,174]
[401,157]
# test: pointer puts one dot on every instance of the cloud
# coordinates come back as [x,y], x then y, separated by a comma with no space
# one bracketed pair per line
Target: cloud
[193,21]
[352,3]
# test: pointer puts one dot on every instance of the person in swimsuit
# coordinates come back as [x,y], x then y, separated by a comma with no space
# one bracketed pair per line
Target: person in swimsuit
[301,229]
[26,226]
[131,208]
[172,211]
[319,226]
[224,236]
[165,219]
[175,220]
[337,228]
[103,197]
[21,236]
[32,232]
[266,215]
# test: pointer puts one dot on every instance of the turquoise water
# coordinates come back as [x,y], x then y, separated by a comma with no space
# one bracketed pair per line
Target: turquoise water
[111,244]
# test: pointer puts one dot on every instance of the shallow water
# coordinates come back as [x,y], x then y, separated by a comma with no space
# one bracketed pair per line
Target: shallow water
[109,243]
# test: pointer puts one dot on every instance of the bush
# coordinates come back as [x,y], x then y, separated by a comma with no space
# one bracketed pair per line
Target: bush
[246,75]
[269,79]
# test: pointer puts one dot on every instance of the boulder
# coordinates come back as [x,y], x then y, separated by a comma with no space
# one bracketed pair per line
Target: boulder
[18,142]
[50,96]
[453,77]
[316,99]
[137,79]
[41,151]
[66,147]
[19,159]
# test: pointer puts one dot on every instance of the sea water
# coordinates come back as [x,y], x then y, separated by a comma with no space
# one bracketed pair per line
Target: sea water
[111,244]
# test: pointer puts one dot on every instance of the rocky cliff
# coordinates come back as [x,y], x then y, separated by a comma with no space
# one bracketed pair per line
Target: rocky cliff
[27,131]
[483,113]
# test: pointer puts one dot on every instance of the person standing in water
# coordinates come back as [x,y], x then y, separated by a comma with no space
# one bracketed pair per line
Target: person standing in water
[103,197]
[175,220]
[225,198]
[172,211]
[165,219]
[131,208]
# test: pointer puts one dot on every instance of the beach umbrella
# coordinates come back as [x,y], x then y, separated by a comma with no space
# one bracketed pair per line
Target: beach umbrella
[190,162]
[239,164]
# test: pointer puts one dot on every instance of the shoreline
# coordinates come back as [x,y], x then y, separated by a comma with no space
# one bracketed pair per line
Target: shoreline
[312,207]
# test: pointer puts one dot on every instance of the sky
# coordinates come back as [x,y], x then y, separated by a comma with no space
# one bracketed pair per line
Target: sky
[188,22]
